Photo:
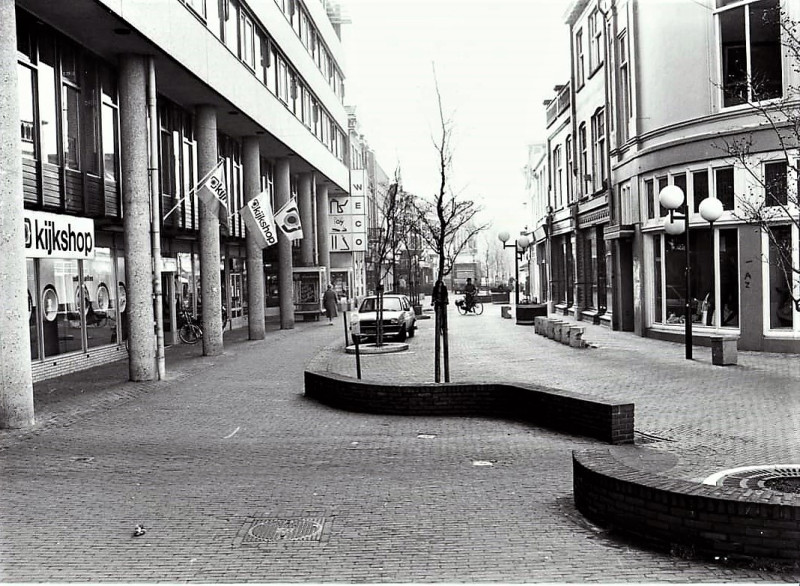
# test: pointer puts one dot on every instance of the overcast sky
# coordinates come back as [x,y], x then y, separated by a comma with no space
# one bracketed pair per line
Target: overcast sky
[496,62]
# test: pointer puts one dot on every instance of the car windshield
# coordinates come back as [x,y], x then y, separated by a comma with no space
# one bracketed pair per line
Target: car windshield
[389,303]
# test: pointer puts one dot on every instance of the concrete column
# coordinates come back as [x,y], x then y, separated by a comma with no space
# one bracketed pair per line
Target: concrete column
[285,284]
[135,199]
[255,258]
[306,219]
[211,290]
[16,388]
[323,240]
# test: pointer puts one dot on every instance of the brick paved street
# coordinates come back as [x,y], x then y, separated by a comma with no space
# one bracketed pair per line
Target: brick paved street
[228,441]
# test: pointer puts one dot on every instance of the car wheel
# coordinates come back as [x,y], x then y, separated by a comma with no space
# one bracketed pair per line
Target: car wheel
[412,331]
[401,335]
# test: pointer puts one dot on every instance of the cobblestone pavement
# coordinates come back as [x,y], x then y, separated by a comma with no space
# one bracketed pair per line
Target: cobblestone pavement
[229,442]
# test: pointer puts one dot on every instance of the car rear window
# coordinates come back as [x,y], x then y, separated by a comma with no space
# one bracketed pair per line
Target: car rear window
[390,303]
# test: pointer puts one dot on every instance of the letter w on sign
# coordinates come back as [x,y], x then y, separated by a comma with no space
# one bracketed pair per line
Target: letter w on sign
[214,194]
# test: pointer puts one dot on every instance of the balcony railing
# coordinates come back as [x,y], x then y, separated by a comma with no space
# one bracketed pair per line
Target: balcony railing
[558,105]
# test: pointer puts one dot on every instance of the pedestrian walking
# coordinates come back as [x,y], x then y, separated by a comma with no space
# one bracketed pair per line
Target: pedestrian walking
[329,302]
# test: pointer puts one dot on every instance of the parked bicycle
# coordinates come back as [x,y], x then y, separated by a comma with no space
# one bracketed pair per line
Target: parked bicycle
[190,331]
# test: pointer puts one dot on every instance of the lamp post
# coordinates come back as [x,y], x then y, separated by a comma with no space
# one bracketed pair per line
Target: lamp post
[519,247]
[672,198]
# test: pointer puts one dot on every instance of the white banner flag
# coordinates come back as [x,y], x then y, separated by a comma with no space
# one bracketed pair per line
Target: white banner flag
[214,194]
[288,220]
[258,218]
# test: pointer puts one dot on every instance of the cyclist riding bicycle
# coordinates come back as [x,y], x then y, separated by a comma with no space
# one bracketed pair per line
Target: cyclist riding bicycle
[469,293]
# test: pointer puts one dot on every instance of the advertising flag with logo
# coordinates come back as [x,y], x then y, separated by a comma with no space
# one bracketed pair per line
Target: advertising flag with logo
[288,220]
[214,193]
[257,215]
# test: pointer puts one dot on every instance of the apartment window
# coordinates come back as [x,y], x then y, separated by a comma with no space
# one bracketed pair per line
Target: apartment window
[230,25]
[579,58]
[599,149]
[595,40]
[592,55]
[662,182]
[198,6]
[283,80]
[558,179]
[750,48]
[649,193]
[583,165]
[724,184]
[570,168]
[624,87]
[247,42]
[775,184]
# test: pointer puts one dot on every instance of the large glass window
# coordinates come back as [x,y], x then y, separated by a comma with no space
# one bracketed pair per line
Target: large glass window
[110,133]
[706,298]
[781,302]
[60,300]
[33,308]
[71,103]
[649,193]
[100,310]
[699,188]
[750,47]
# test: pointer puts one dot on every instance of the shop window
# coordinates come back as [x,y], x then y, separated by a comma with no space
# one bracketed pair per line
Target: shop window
[781,302]
[750,47]
[661,182]
[99,309]
[658,288]
[61,309]
[728,279]
[724,185]
[71,104]
[33,307]
[775,184]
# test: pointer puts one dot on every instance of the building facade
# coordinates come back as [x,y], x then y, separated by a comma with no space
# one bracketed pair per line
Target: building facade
[694,92]
[113,106]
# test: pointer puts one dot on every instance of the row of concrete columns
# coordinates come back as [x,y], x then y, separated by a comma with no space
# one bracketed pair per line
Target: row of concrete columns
[16,389]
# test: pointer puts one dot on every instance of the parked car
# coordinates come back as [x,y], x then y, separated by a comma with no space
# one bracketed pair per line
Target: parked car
[399,320]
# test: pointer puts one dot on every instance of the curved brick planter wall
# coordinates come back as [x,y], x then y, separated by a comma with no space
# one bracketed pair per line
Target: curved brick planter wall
[553,408]
[713,520]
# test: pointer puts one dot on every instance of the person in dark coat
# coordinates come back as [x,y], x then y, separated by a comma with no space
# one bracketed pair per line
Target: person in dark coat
[329,302]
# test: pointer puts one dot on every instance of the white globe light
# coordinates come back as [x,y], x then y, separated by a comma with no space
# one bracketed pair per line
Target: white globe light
[523,242]
[671,197]
[711,209]
[504,236]
[674,227]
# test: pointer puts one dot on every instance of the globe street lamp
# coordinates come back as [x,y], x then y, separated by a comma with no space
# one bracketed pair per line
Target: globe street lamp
[672,198]
[520,245]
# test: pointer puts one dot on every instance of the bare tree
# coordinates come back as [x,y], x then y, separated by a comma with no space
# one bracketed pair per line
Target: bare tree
[771,201]
[448,224]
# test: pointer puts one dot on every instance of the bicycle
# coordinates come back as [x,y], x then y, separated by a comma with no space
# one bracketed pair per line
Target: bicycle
[190,331]
[464,308]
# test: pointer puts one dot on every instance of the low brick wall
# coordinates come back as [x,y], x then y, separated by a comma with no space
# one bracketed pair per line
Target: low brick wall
[661,511]
[69,363]
[553,408]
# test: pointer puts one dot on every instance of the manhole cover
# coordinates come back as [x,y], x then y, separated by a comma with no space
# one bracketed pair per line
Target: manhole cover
[779,477]
[274,530]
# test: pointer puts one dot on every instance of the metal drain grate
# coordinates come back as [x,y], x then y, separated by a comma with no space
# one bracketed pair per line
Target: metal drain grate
[285,530]
[778,477]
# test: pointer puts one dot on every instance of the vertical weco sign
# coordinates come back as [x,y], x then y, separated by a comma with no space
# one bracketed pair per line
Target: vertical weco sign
[56,236]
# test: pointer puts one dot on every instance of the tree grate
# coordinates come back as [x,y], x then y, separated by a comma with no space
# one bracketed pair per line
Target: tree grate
[780,478]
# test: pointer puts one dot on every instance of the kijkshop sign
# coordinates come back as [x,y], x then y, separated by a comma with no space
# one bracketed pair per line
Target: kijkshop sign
[56,236]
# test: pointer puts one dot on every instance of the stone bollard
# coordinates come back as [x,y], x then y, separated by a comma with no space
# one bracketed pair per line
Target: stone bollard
[558,330]
[538,324]
[550,328]
[505,311]
[576,337]
[724,350]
